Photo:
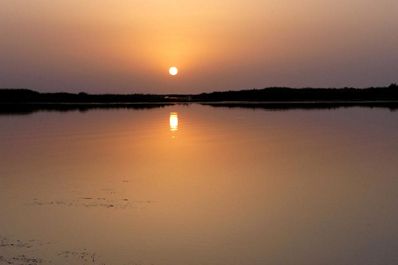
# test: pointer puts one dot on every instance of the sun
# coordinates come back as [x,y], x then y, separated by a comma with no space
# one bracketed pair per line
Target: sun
[173,70]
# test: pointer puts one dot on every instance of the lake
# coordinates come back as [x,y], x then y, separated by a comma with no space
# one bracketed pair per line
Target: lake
[199,185]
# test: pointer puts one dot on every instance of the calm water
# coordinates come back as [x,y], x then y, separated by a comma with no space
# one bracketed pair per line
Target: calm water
[196,185]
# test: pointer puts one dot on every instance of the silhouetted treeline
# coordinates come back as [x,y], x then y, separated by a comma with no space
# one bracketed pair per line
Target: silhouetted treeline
[28,108]
[283,94]
[30,96]
[389,93]
[392,105]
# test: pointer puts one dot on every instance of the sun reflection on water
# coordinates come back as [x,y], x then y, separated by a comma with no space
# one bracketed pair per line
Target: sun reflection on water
[173,121]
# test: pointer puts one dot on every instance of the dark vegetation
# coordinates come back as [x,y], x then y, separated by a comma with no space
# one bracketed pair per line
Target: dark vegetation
[29,96]
[285,94]
[28,101]
[28,108]
[305,105]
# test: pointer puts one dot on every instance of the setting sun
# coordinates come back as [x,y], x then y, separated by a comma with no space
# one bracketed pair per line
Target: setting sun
[173,70]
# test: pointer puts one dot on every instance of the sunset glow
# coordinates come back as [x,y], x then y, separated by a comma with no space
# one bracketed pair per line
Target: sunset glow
[173,70]
[173,121]
[128,46]
[212,132]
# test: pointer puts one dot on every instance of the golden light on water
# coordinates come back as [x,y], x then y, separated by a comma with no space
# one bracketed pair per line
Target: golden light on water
[173,121]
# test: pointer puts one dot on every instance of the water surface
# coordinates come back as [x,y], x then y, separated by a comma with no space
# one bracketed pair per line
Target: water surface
[196,185]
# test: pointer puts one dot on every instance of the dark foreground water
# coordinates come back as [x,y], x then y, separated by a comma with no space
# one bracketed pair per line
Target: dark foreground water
[196,185]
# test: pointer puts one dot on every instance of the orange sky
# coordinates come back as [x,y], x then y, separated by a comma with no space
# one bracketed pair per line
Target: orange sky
[127,46]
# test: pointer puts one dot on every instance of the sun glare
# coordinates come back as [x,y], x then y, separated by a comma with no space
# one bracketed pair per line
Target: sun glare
[173,121]
[173,70]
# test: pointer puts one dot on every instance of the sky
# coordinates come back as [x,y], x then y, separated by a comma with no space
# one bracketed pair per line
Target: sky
[126,46]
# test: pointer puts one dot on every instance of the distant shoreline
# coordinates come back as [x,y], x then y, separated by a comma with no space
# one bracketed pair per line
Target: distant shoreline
[271,94]
[28,101]
[30,108]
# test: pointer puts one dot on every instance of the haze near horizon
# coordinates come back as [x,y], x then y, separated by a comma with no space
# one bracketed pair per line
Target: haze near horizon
[128,46]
